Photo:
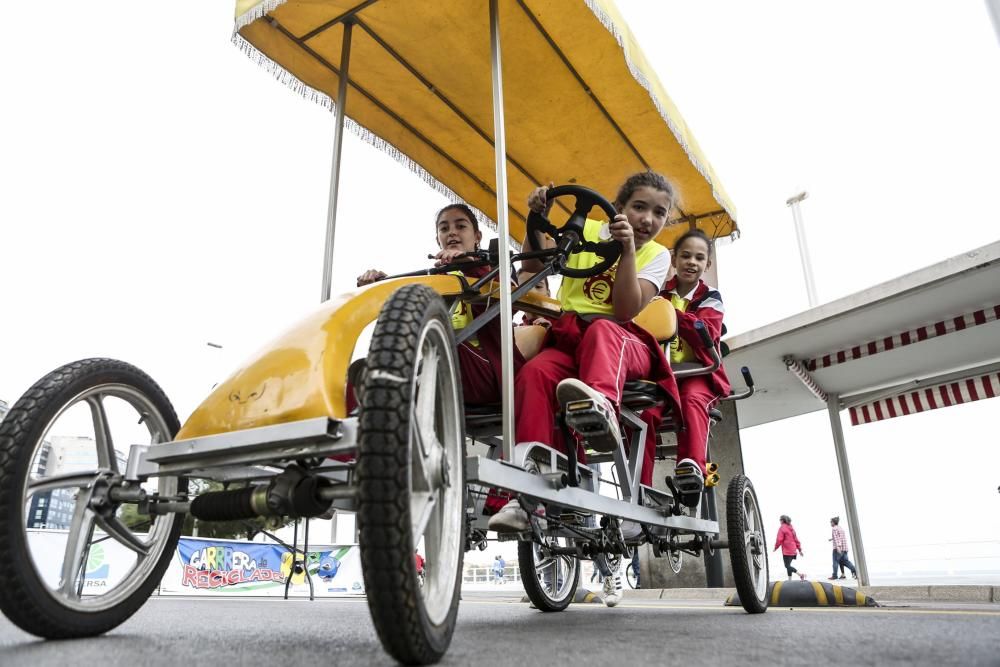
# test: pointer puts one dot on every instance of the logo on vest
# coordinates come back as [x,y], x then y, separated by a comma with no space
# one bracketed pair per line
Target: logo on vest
[598,288]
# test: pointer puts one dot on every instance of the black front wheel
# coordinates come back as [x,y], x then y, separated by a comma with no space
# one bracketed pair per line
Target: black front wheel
[411,476]
[78,559]
[747,548]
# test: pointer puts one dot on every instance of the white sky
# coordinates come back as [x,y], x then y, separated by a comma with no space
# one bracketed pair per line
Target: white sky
[160,191]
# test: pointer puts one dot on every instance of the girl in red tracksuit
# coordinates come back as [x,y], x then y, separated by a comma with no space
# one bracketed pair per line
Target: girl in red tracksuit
[479,357]
[594,347]
[694,301]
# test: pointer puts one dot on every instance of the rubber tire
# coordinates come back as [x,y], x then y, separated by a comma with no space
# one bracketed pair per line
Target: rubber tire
[630,575]
[735,528]
[538,597]
[394,593]
[23,596]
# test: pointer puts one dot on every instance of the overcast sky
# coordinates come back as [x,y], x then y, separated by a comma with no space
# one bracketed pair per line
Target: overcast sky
[160,191]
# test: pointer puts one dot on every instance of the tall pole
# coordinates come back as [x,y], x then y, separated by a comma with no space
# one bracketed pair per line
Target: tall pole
[338,142]
[503,231]
[993,8]
[800,234]
[847,488]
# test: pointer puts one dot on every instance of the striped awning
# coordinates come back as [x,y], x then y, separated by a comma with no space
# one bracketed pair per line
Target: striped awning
[942,327]
[928,398]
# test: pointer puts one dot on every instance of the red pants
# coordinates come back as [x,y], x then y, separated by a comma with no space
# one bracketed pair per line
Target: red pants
[480,379]
[697,396]
[605,357]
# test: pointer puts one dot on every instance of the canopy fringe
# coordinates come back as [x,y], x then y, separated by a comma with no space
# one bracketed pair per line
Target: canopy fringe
[256,12]
[641,79]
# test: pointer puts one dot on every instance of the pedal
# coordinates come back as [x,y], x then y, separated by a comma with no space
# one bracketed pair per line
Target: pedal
[689,483]
[587,417]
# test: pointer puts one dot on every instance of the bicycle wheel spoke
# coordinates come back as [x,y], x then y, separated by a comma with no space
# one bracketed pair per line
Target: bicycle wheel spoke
[114,527]
[422,506]
[77,546]
[66,481]
[106,457]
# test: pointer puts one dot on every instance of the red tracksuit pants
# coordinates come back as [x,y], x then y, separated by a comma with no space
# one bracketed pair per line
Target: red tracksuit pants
[606,357]
[697,396]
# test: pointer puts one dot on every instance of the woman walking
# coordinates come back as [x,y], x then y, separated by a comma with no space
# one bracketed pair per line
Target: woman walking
[790,546]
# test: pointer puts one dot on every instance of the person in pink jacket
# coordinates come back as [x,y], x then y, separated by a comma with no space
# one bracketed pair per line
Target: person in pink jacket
[790,546]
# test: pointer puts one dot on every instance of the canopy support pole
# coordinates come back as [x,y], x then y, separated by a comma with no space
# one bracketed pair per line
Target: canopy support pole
[338,142]
[847,487]
[503,231]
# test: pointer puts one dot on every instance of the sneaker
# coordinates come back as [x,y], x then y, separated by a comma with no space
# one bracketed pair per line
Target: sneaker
[834,578]
[631,530]
[590,414]
[510,519]
[843,576]
[689,481]
[513,519]
[803,575]
[612,590]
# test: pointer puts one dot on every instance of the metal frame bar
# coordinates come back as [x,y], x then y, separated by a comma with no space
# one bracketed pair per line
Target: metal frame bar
[583,84]
[392,114]
[847,487]
[480,470]
[503,232]
[334,21]
[446,101]
[318,437]
[338,143]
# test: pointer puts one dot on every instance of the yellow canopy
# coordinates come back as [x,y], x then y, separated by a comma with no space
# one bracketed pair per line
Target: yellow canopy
[582,104]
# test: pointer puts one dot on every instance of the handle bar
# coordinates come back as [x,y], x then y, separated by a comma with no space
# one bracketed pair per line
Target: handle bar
[699,326]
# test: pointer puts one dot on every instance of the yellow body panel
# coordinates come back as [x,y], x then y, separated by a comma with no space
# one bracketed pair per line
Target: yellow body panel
[302,374]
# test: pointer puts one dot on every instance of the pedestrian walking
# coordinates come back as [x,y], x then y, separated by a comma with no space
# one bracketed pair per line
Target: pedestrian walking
[788,541]
[499,565]
[839,540]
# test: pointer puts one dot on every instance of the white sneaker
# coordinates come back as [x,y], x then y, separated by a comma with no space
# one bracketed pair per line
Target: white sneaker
[513,519]
[631,530]
[590,414]
[510,519]
[612,590]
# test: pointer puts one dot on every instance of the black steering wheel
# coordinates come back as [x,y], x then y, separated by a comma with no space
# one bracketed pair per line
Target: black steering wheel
[569,237]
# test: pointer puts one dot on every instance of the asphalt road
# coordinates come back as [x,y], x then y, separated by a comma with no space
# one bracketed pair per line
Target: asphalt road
[502,631]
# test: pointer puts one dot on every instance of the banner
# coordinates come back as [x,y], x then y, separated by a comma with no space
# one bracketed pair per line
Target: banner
[209,567]
[230,567]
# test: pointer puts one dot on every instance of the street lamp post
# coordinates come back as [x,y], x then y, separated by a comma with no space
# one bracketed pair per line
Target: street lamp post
[993,8]
[800,234]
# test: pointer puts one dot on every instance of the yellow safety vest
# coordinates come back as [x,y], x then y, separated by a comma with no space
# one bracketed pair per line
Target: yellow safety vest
[593,295]
[679,351]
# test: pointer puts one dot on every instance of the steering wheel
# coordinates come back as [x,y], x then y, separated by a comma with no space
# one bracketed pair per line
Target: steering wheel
[570,235]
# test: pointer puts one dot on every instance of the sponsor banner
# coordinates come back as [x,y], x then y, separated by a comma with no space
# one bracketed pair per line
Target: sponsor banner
[107,562]
[209,567]
[230,567]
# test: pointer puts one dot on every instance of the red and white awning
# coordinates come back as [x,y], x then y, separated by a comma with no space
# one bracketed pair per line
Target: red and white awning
[909,337]
[928,398]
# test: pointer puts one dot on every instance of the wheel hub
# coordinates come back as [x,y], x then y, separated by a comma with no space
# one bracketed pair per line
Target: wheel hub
[101,501]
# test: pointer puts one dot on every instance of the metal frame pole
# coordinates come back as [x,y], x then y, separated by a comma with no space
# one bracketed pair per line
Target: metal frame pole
[338,142]
[833,407]
[800,235]
[503,231]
